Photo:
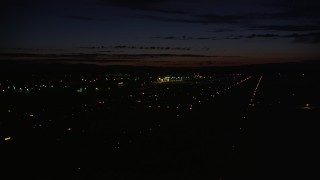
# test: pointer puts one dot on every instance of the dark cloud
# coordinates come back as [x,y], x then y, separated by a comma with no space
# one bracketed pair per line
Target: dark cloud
[289,9]
[109,51]
[162,18]
[86,18]
[294,8]
[153,48]
[313,38]
[169,55]
[252,36]
[139,47]
[214,18]
[185,38]
[291,4]
[221,30]
[238,19]
[167,37]
[98,57]
[94,47]
[288,27]
[196,19]
[234,37]
[88,61]
[56,56]
[133,3]
[262,36]
[172,11]
[18,3]
[275,4]
[147,5]
[293,14]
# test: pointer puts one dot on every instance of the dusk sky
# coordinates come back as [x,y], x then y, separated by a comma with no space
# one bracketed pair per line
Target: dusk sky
[161,33]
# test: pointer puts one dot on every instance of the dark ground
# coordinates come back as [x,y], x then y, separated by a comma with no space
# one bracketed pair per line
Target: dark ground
[225,138]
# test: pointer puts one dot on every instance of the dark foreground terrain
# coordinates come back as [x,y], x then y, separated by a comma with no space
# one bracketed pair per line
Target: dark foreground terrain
[156,126]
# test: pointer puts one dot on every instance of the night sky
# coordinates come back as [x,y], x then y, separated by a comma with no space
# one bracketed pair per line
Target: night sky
[161,33]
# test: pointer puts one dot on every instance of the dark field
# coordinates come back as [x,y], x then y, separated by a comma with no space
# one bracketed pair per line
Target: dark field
[129,126]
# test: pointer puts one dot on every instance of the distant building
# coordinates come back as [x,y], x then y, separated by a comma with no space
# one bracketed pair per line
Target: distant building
[169,78]
[120,84]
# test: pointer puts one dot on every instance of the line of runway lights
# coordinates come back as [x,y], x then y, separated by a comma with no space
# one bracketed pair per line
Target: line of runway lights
[234,146]
[244,117]
[251,102]
[255,92]
[250,105]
